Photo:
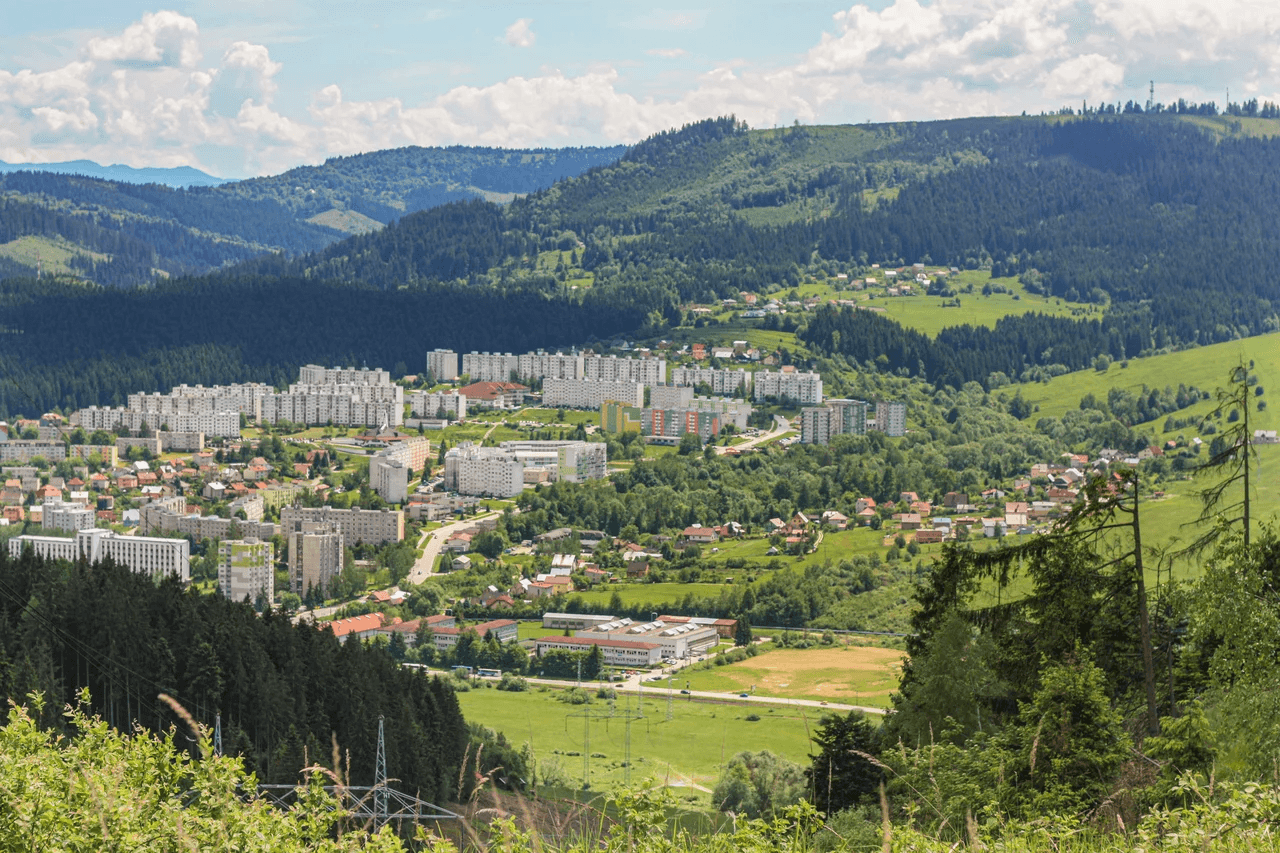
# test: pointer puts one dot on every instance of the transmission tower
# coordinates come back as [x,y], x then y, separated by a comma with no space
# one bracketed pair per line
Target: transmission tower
[380,781]
[628,716]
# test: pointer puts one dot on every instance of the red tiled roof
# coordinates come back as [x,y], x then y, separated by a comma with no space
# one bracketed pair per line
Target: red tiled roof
[356,624]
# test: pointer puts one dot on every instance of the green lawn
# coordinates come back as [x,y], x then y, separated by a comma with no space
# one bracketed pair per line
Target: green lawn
[693,746]
[1204,367]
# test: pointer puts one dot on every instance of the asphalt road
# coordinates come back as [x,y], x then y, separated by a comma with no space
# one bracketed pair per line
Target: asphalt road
[780,425]
[424,566]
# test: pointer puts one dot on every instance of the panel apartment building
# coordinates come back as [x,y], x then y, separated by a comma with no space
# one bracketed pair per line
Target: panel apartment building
[611,368]
[316,552]
[423,404]
[891,417]
[819,424]
[245,569]
[156,558]
[500,471]
[589,393]
[371,526]
[442,364]
[722,382]
[490,367]
[802,388]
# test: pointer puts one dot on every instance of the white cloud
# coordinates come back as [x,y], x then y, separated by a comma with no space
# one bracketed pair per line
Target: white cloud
[520,33]
[146,97]
[159,38]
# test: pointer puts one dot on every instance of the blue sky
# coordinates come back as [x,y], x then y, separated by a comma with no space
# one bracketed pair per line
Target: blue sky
[241,88]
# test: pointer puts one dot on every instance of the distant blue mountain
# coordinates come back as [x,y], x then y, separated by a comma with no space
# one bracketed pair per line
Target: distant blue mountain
[181,176]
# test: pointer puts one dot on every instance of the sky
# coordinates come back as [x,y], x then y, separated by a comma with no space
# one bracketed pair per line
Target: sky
[239,88]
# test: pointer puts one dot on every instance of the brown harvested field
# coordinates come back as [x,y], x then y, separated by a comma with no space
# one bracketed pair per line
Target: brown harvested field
[858,675]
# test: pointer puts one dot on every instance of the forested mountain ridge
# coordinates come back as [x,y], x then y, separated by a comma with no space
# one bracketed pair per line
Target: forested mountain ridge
[1161,219]
[121,234]
[384,185]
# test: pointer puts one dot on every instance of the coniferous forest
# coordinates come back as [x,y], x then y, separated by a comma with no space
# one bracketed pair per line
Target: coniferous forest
[285,692]
[1164,222]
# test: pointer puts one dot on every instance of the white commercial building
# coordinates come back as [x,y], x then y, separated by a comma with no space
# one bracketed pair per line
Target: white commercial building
[589,393]
[722,382]
[245,569]
[802,388]
[614,652]
[677,640]
[156,558]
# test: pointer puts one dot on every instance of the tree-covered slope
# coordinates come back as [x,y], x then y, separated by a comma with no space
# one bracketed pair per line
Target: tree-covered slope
[385,185]
[126,234]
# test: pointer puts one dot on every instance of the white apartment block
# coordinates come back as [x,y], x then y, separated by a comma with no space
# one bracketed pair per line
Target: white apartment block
[245,569]
[425,405]
[670,396]
[389,477]
[341,405]
[156,558]
[891,417]
[316,552]
[224,424]
[24,450]
[572,461]
[314,374]
[722,381]
[544,365]
[728,411]
[169,515]
[590,393]
[490,367]
[197,399]
[371,526]
[442,364]
[473,470]
[819,424]
[610,368]
[61,515]
[802,388]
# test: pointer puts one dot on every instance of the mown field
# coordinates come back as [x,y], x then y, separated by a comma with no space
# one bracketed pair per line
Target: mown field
[691,748]
[854,674]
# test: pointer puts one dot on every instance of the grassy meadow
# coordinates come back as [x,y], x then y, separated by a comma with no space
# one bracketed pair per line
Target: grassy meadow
[691,748]
[1205,367]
